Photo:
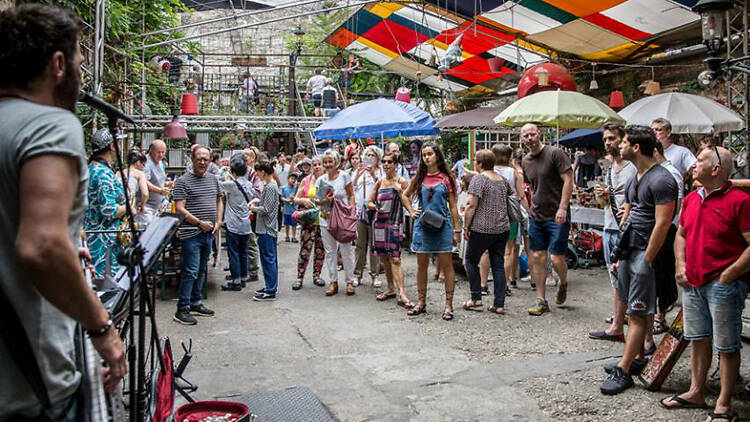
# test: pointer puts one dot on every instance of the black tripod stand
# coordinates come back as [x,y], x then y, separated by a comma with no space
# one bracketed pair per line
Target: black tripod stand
[132,257]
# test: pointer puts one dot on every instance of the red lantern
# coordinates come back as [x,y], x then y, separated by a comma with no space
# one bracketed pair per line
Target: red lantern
[616,100]
[545,77]
[189,104]
[402,94]
[496,64]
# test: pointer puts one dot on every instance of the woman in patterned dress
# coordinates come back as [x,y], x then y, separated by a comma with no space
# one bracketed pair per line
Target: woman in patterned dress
[435,188]
[106,205]
[311,243]
[388,200]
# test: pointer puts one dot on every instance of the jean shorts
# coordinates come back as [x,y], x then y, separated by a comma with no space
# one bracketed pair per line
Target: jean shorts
[636,284]
[548,235]
[715,309]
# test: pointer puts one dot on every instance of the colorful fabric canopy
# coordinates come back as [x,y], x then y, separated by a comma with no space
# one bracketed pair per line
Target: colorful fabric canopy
[411,39]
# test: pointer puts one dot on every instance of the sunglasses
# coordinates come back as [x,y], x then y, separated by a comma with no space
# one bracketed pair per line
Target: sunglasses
[718,157]
[386,161]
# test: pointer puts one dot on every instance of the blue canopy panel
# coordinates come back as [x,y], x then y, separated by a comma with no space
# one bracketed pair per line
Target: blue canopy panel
[376,118]
[582,138]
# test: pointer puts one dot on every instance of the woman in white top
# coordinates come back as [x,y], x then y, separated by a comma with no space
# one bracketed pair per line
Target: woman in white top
[503,167]
[364,179]
[137,185]
[335,184]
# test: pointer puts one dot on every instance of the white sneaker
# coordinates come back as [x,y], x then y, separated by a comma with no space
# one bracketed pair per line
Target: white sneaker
[357,281]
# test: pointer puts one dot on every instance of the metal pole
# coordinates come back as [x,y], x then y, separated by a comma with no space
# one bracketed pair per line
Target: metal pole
[250,25]
[292,111]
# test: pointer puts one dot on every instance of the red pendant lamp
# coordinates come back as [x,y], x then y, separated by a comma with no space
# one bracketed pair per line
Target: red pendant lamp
[616,100]
[174,130]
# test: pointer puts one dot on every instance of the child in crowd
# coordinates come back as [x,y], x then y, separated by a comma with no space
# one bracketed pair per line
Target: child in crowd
[287,197]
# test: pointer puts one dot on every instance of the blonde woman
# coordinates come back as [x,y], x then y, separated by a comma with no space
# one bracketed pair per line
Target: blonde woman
[335,184]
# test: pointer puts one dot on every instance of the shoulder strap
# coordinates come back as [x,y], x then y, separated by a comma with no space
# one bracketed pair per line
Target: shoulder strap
[14,334]
[242,190]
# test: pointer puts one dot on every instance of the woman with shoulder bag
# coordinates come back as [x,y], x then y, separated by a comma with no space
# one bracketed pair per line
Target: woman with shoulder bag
[335,185]
[388,201]
[486,229]
[310,240]
[364,179]
[437,228]
[237,217]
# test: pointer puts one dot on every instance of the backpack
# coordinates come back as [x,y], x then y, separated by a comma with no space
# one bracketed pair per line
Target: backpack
[342,224]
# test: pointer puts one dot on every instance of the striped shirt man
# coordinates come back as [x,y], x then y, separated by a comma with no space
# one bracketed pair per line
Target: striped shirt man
[199,194]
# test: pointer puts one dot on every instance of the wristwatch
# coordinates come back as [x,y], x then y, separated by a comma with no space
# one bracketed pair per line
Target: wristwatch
[101,331]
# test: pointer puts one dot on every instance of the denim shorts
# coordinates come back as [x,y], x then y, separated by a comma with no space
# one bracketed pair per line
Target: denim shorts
[715,309]
[636,284]
[548,235]
[610,239]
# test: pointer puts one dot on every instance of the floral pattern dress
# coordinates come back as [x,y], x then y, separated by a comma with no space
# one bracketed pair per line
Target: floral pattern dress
[105,194]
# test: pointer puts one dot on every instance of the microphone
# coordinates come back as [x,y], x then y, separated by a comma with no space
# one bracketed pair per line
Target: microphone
[104,107]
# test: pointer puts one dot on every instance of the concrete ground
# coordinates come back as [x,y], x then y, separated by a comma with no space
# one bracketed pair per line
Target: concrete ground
[369,361]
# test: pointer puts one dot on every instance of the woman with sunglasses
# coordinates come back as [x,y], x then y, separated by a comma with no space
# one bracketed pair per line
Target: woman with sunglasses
[437,230]
[311,243]
[364,179]
[388,200]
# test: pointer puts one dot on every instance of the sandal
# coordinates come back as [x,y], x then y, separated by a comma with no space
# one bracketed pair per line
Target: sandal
[681,403]
[660,326]
[416,310]
[408,304]
[471,305]
[447,316]
[494,310]
[730,417]
[385,296]
[296,285]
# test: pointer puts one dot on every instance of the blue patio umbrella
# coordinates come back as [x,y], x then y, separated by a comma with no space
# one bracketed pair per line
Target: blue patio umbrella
[379,118]
[582,138]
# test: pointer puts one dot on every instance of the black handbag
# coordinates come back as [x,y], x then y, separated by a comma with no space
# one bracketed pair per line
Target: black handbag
[430,221]
[621,249]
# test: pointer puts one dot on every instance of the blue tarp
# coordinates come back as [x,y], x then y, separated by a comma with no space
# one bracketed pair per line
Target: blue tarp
[582,138]
[376,118]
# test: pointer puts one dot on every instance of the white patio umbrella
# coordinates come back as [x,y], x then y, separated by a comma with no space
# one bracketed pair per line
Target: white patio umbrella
[687,113]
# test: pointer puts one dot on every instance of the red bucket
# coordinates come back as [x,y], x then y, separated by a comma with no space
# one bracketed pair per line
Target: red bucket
[189,104]
[193,412]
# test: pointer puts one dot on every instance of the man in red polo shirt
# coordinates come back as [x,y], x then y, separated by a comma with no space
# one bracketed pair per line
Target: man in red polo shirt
[712,260]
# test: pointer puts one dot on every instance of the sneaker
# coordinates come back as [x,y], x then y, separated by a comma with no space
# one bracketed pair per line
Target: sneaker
[184,317]
[201,310]
[264,297]
[228,277]
[485,290]
[617,382]
[231,287]
[260,291]
[513,283]
[562,294]
[243,282]
[286,239]
[636,367]
[541,307]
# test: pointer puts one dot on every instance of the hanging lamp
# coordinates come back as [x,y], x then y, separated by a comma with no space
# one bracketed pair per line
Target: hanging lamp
[616,100]
[594,84]
[174,130]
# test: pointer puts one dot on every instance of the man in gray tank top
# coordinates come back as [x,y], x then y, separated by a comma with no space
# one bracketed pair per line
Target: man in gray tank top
[156,173]
[43,183]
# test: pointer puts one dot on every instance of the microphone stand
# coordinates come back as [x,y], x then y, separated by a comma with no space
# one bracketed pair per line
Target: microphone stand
[132,258]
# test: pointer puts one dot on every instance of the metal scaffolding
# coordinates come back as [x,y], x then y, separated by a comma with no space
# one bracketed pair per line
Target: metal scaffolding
[737,86]
[246,123]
